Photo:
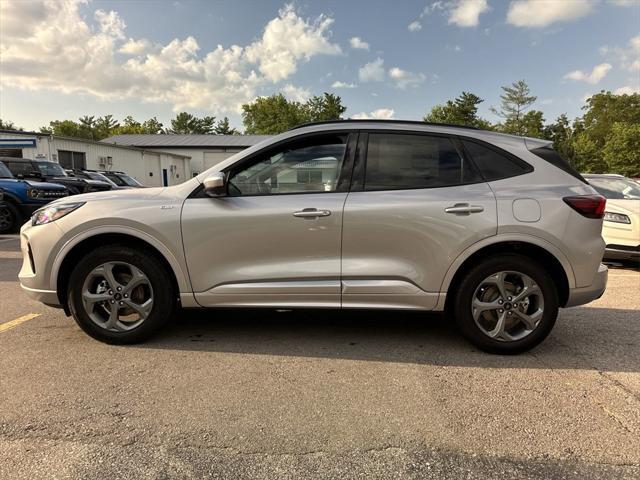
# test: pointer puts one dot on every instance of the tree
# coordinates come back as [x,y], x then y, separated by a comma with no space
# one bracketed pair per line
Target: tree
[275,114]
[514,100]
[561,133]
[66,128]
[224,128]
[272,115]
[86,127]
[132,126]
[622,150]
[185,123]
[104,127]
[463,110]
[531,125]
[8,125]
[324,108]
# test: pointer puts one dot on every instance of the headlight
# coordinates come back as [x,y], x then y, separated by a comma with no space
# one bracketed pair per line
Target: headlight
[35,193]
[616,217]
[53,213]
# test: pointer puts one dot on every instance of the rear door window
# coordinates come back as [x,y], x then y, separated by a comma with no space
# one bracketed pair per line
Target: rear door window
[408,161]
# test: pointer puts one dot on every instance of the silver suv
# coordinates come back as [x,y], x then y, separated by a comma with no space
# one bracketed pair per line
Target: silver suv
[495,229]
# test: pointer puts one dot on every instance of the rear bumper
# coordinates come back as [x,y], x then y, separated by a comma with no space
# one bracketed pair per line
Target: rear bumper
[582,295]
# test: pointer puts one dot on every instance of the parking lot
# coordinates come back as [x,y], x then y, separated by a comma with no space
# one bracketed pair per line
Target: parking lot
[317,394]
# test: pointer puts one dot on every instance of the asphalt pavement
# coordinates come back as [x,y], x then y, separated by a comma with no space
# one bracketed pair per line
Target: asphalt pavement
[317,394]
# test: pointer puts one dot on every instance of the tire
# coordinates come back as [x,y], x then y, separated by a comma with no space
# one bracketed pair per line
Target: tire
[10,218]
[478,294]
[93,294]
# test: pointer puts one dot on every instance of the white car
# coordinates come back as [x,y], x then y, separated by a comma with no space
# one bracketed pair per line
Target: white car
[621,227]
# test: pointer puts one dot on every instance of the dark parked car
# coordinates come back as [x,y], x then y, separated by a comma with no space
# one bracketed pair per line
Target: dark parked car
[122,179]
[52,172]
[96,176]
[23,197]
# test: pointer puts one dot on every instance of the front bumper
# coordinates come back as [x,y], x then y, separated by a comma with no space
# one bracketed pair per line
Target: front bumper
[580,296]
[35,277]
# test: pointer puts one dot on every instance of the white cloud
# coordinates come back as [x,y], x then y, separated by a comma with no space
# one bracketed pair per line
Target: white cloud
[457,48]
[540,13]
[339,84]
[414,26]
[49,45]
[372,71]
[597,74]
[628,57]
[135,47]
[404,79]
[380,113]
[298,94]
[358,43]
[627,90]
[466,13]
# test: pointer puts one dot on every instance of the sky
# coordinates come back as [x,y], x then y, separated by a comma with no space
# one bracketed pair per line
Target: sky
[62,59]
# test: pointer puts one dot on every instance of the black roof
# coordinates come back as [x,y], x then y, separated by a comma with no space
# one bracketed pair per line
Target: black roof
[378,120]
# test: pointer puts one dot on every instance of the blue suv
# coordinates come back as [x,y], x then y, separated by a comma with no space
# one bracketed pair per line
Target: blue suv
[23,197]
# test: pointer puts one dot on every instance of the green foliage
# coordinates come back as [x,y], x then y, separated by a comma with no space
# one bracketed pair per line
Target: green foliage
[622,149]
[515,99]
[461,111]
[185,123]
[275,114]
[8,125]
[561,133]
[132,126]
[224,128]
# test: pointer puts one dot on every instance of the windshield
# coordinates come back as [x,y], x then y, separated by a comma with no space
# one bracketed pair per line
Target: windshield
[50,169]
[130,182]
[4,171]
[99,176]
[616,188]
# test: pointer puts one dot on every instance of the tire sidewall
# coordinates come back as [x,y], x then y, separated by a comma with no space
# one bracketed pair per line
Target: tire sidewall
[163,294]
[468,286]
[16,218]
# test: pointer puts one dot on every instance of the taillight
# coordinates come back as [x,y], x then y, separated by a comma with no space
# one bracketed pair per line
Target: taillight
[590,206]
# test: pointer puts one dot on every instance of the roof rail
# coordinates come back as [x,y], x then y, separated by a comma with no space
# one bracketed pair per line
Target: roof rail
[378,120]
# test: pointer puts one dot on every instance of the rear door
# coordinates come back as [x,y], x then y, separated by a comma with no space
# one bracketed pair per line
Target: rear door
[415,204]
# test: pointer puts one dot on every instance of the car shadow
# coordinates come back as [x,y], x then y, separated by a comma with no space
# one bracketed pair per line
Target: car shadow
[603,339]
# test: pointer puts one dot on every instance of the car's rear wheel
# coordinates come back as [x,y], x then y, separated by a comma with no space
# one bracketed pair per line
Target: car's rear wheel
[506,304]
[10,218]
[120,295]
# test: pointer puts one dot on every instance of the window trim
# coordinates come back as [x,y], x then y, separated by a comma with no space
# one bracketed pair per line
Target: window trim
[344,177]
[360,167]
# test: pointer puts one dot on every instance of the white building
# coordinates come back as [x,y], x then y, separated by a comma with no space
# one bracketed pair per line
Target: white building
[205,150]
[150,167]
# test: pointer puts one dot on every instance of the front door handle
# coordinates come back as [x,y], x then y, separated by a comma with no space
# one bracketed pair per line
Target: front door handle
[464,209]
[311,213]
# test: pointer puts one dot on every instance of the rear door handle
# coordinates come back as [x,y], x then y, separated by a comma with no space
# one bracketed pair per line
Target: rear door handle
[464,209]
[311,213]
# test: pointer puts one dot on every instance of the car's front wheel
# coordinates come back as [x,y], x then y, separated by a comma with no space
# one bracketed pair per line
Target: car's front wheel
[120,295]
[506,304]
[9,218]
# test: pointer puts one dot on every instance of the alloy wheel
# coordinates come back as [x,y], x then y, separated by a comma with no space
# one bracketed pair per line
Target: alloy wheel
[117,296]
[507,306]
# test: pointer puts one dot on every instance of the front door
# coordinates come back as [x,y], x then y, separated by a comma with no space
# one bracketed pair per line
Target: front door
[415,205]
[275,238]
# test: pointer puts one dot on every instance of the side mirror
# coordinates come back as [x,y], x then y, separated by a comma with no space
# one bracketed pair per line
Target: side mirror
[215,185]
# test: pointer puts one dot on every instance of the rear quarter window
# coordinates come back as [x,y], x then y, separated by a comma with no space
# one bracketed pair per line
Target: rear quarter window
[493,163]
[555,159]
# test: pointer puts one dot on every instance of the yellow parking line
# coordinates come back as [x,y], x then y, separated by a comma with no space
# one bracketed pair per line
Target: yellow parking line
[14,323]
